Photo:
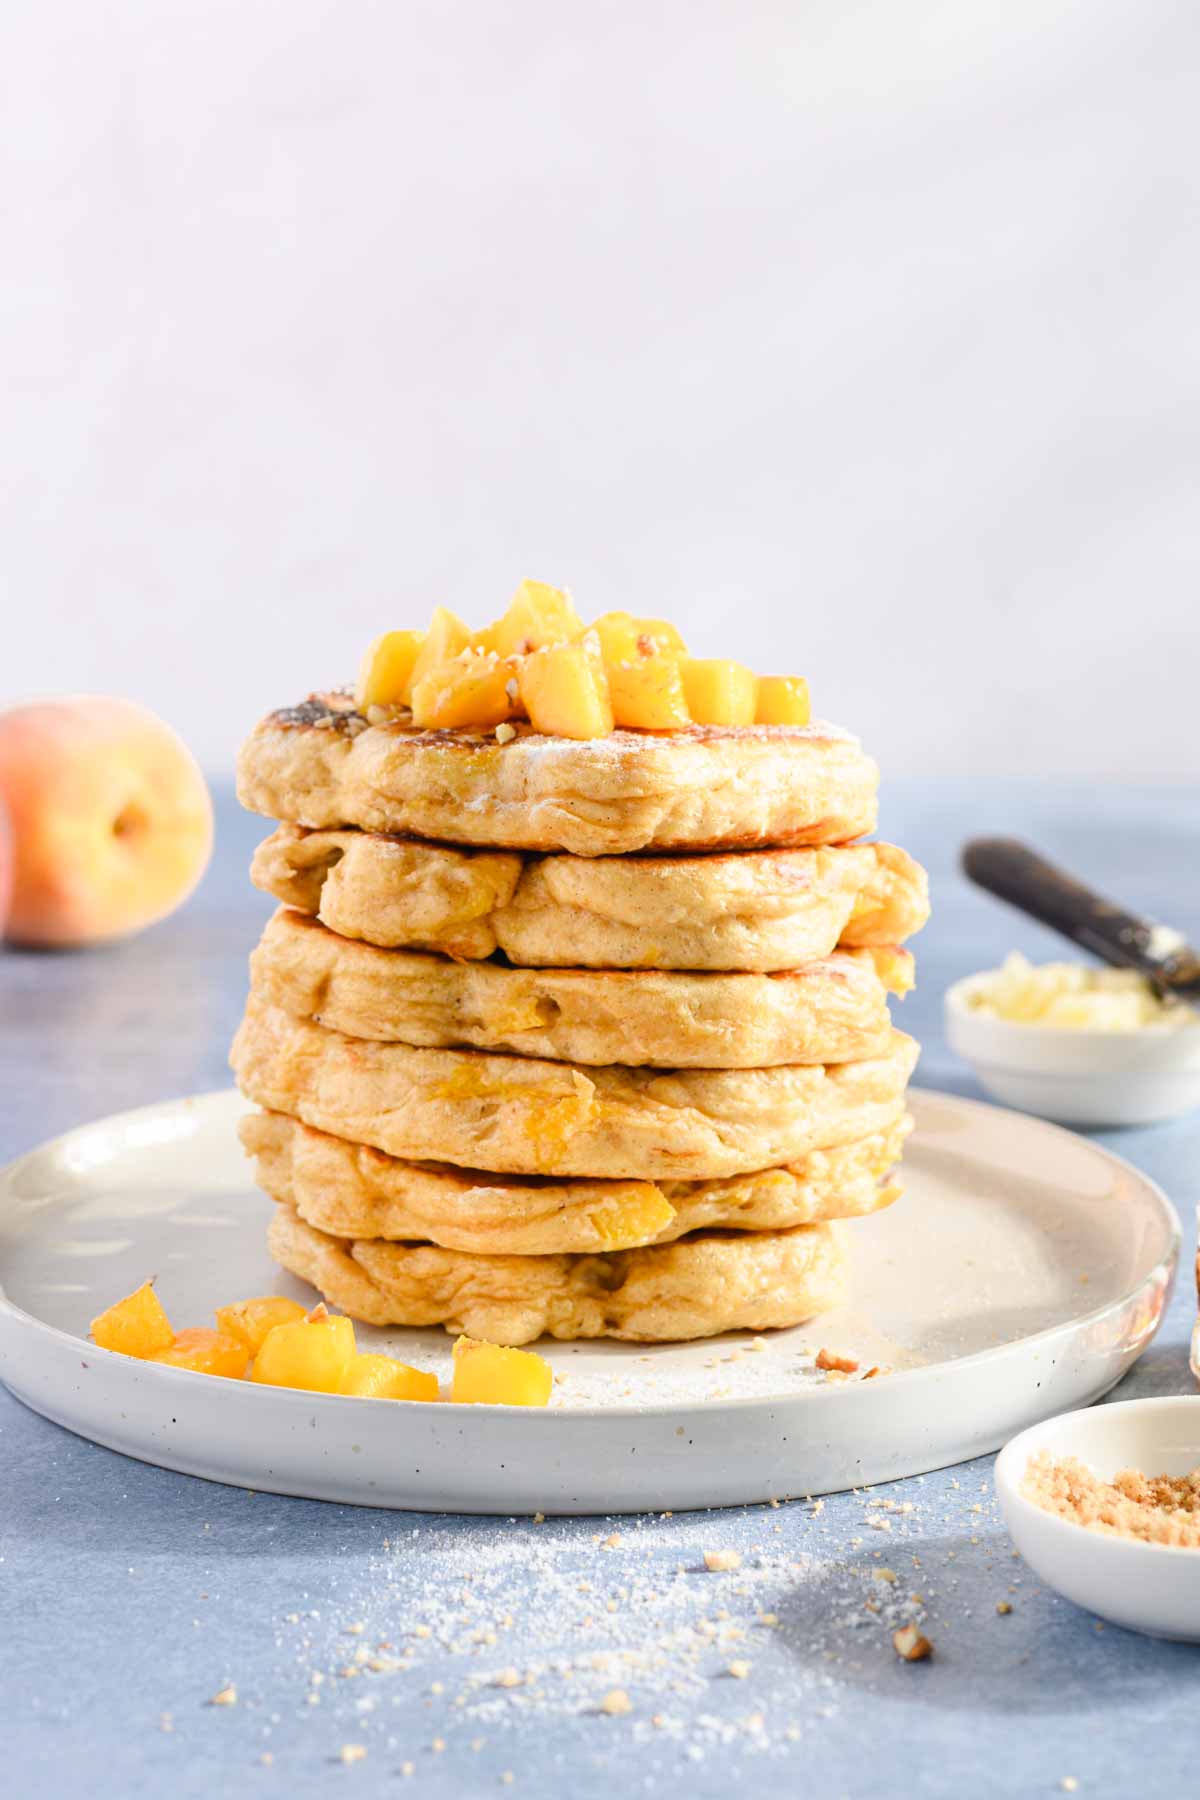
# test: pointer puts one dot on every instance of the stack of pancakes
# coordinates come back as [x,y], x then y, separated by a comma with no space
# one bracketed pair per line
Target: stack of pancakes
[580,1038]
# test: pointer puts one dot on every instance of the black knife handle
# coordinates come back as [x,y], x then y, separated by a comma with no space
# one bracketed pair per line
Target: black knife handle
[1013,872]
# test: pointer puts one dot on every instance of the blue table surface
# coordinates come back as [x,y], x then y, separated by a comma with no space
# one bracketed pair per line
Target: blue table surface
[129,1596]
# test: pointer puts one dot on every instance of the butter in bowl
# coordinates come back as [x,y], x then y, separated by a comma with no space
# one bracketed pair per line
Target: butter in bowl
[1079,1045]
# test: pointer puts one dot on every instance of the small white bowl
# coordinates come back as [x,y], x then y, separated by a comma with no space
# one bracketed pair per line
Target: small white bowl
[1152,1588]
[1074,1076]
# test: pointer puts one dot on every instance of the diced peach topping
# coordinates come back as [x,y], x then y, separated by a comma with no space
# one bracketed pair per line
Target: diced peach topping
[447,635]
[537,615]
[620,635]
[477,688]
[385,678]
[718,692]
[539,661]
[312,1353]
[205,1352]
[565,690]
[493,1375]
[782,700]
[136,1326]
[251,1320]
[374,1377]
[647,691]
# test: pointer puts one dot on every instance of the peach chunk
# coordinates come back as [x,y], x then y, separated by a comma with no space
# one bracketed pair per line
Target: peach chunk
[447,635]
[307,1353]
[111,819]
[136,1326]
[564,689]
[473,689]
[782,700]
[385,676]
[251,1320]
[205,1351]
[896,968]
[383,1378]
[718,692]
[537,615]
[620,634]
[647,691]
[493,1375]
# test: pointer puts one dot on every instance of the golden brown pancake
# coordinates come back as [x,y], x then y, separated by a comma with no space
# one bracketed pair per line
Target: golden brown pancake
[835,1010]
[526,1115]
[694,1288]
[759,911]
[351,1191]
[704,788]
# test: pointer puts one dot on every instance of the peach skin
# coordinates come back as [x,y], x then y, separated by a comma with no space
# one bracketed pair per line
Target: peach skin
[111,820]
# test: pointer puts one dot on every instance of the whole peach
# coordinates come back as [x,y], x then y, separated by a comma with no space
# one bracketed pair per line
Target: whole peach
[111,821]
[6,864]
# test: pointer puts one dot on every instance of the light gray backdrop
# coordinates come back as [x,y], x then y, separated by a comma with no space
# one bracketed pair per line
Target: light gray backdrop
[860,338]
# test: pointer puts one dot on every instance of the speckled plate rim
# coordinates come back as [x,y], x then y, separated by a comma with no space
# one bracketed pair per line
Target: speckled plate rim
[586,1459]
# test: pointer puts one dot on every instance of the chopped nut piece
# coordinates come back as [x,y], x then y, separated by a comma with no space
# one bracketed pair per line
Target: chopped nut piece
[910,1645]
[616,1701]
[844,1365]
[719,1560]
[352,1753]
[739,1669]
[509,1678]
[612,1542]
[505,733]
[226,1696]
[1003,1606]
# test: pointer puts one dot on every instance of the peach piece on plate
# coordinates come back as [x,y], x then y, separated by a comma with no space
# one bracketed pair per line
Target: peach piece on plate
[308,1353]
[374,1377]
[111,819]
[251,1320]
[205,1352]
[136,1325]
[496,1375]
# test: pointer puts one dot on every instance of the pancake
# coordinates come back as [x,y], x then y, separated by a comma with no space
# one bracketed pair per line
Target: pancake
[760,911]
[703,788]
[526,1115]
[350,1191]
[695,1288]
[835,1010]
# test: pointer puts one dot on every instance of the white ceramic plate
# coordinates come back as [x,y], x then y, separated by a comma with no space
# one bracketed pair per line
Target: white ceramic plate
[1022,1273]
